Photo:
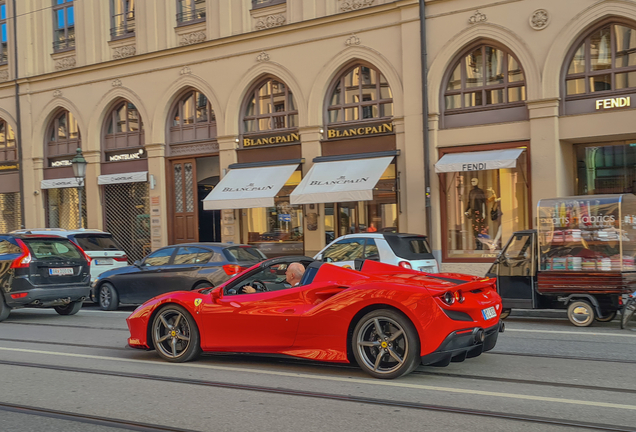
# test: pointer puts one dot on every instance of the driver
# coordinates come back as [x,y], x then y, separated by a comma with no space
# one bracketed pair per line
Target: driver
[293,276]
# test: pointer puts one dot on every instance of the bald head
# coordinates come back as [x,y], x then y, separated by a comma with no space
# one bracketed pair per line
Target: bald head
[294,273]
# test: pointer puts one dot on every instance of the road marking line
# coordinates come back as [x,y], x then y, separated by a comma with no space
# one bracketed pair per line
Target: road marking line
[571,332]
[339,379]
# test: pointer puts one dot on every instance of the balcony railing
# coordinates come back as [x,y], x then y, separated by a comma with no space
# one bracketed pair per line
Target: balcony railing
[64,43]
[124,25]
[257,4]
[191,15]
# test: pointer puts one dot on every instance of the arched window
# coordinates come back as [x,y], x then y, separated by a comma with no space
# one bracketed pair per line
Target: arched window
[63,139]
[270,106]
[605,60]
[192,119]
[8,150]
[360,93]
[484,77]
[123,128]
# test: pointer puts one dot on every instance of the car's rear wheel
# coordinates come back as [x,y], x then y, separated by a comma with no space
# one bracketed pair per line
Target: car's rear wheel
[4,309]
[70,309]
[608,316]
[175,334]
[385,344]
[505,313]
[108,297]
[581,313]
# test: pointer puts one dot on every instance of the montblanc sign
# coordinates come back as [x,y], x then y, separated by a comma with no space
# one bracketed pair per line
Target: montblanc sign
[140,154]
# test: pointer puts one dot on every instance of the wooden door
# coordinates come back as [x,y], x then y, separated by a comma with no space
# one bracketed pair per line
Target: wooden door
[185,223]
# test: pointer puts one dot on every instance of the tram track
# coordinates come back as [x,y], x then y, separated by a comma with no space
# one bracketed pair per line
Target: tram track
[289,392]
[292,361]
[88,419]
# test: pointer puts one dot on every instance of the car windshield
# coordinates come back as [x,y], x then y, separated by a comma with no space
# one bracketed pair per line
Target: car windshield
[243,253]
[52,249]
[96,242]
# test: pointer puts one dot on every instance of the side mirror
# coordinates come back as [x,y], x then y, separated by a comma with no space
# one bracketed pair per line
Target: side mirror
[216,294]
[374,257]
[319,257]
[137,263]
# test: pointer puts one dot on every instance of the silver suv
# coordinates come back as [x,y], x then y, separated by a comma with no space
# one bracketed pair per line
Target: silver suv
[99,246]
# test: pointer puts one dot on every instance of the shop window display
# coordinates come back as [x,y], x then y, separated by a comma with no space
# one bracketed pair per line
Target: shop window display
[378,215]
[606,169]
[484,208]
[277,231]
[588,233]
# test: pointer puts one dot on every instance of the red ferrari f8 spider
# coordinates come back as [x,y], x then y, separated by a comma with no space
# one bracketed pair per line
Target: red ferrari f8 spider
[386,318]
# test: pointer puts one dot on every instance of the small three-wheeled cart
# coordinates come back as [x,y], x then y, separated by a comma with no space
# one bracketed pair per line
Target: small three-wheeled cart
[580,257]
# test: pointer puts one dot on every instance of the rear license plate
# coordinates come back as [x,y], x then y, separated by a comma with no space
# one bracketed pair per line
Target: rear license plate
[60,271]
[489,313]
[426,269]
[103,261]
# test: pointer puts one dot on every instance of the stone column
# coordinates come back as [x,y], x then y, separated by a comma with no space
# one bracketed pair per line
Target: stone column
[550,160]
[34,203]
[158,196]
[94,209]
[310,137]
[230,219]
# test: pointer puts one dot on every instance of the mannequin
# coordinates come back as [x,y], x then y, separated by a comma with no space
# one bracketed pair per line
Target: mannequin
[476,210]
[495,216]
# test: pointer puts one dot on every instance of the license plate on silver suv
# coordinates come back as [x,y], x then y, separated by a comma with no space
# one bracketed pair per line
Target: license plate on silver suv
[60,271]
[489,313]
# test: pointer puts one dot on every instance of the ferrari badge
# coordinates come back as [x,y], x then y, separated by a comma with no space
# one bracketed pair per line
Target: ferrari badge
[197,302]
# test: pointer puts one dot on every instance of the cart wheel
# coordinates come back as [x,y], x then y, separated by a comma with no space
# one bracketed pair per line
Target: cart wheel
[608,317]
[505,313]
[581,313]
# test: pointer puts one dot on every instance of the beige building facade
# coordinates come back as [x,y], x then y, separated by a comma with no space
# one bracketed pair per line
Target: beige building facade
[527,100]
[167,98]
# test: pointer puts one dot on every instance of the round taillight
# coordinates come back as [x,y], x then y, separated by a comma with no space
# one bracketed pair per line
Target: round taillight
[406,265]
[449,298]
[459,296]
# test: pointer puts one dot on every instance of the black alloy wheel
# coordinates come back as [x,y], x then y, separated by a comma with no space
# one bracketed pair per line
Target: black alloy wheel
[385,344]
[107,297]
[175,334]
[4,309]
[70,309]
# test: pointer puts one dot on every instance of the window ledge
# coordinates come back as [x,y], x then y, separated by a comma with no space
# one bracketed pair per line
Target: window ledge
[62,52]
[192,23]
[192,33]
[269,16]
[124,38]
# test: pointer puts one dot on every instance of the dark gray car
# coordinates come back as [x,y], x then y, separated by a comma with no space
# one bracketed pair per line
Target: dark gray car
[42,271]
[181,267]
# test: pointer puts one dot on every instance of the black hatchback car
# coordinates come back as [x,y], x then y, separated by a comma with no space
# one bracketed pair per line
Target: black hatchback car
[181,267]
[42,271]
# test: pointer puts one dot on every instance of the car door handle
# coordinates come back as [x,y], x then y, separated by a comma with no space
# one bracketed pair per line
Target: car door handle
[288,311]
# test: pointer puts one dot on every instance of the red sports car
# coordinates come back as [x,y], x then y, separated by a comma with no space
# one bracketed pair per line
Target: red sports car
[386,318]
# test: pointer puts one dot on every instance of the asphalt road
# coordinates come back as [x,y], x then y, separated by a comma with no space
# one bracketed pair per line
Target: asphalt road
[76,374]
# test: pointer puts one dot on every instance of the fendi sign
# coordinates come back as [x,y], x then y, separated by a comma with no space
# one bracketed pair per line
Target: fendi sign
[289,138]
[9,166]
[377,129]
[616,102]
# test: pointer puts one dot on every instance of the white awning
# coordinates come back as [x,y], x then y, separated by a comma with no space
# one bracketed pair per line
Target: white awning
[133,177]
[61,183]
[340,181]
[478,161]
[249,187]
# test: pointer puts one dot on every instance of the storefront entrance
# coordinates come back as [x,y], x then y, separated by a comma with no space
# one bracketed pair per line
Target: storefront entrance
[191,181]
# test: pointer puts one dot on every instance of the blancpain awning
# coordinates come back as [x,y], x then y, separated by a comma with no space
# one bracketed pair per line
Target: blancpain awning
[61,183]
[340,181]
[478,161]
[133,177]
[249,187]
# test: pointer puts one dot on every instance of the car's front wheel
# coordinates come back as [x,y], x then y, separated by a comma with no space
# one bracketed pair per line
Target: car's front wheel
[175,334]
[581,313]
[70,309]
[385,344]
[108,297]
